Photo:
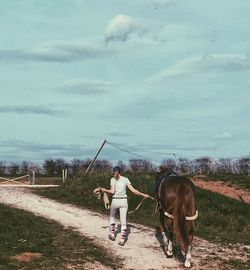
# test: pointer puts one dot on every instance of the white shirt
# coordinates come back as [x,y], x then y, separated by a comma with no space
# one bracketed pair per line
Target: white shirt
[120,186]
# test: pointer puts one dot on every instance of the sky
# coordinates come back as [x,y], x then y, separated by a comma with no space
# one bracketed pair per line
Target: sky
[154,77]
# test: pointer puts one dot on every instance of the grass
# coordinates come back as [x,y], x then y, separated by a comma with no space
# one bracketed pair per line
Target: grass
[48,180]
[220,218]
[24,232]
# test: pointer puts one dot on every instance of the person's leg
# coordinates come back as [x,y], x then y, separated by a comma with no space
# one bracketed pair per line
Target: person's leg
[123,219]
[113,210]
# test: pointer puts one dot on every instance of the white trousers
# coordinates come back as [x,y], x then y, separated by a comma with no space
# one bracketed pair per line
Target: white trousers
[122,205]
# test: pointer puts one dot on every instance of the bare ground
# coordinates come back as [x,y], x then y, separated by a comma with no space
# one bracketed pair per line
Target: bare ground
[221,188]
[143,249]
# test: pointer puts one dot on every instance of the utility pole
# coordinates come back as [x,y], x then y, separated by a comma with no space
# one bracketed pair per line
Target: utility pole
[92,162]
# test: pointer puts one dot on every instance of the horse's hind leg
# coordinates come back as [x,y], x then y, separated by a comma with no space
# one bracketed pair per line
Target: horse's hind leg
[188,253]
[169,249]
[188,257]
[167,241]
[162,228]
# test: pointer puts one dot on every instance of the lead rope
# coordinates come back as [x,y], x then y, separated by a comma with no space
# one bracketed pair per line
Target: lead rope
[98,194]
[140,204]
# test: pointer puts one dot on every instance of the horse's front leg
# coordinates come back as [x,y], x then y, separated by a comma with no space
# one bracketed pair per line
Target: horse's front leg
[164,238]
[167,243]
[188,257]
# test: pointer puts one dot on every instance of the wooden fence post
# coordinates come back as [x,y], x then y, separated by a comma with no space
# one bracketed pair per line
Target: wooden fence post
[33,178]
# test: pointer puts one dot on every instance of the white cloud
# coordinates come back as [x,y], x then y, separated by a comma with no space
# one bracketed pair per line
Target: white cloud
[206,63]
[25,109]
[120,28]
[86,87]
[224,135]
[56,51]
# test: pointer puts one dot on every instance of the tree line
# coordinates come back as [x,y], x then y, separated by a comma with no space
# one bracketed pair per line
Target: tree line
[183,166]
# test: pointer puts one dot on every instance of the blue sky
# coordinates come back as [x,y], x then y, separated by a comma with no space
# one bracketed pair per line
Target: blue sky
[154,76]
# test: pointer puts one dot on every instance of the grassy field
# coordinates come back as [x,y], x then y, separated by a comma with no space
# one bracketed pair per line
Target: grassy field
[41,180]
[22,232]
[220,218]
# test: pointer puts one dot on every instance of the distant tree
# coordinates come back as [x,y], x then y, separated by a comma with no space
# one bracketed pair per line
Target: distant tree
[169,165]
[224,166]
[124,167]
[135,164]
[184,166]
[60,164]
[36,168]
[75,166]
[2,168]
[203,165]
[102,165]
[234,166]
[78,166]
[13,168]
[141,165]
[50,166]
[25,167]
[85,164]
[243,165]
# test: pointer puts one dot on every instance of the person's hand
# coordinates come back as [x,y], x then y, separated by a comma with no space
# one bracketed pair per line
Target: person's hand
[98,190]
[146,196]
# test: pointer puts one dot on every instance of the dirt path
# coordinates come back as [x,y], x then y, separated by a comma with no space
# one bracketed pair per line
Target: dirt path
[142,251]
[221,188]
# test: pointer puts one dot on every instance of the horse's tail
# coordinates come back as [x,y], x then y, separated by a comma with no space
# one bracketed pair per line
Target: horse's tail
[179,223]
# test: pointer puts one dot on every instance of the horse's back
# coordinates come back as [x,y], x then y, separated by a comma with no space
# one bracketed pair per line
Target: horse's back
[170,187]
[173,182]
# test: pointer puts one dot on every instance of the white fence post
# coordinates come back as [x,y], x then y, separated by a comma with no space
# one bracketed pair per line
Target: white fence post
[33,178]
[63,175]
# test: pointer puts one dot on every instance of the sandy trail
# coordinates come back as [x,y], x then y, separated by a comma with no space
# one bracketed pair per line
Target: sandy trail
[142,251]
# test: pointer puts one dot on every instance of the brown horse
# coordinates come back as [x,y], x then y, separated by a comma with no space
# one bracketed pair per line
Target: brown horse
[176,199]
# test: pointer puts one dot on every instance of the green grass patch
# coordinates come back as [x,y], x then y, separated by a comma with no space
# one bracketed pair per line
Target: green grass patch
[22,232]
[220,218]
[42,180]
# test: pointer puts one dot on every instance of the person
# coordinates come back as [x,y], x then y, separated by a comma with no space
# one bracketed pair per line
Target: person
[118,185]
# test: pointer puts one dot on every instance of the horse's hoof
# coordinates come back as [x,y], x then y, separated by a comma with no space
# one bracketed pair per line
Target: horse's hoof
[187,264]
[169,253]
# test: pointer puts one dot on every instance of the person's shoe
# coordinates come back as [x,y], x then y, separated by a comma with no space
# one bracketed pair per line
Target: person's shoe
[123,238]
[112,233]
[112,236]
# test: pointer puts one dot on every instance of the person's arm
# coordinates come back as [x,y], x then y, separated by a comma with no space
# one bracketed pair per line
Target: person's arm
[111,190]
[137,192]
